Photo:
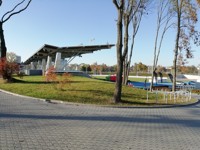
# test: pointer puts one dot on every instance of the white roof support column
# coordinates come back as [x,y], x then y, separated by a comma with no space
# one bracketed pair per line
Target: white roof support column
[57,65]
[65,65]
[43,67]
[39,63]
[49,62]
[32,66]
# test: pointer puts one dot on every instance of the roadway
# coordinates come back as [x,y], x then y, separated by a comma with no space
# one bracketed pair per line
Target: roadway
[27,123]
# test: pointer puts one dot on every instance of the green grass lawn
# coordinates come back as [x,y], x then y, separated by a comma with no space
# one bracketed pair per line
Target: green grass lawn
[80,90]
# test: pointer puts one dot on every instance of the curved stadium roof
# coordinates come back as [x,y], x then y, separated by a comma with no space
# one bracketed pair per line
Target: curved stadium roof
[67,52]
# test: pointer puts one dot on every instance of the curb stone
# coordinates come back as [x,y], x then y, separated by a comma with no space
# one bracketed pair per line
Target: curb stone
[15,94]
[108,106]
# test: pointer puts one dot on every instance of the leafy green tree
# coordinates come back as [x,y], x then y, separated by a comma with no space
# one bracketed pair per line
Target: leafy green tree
[83,68]
[89,68]
[142,67]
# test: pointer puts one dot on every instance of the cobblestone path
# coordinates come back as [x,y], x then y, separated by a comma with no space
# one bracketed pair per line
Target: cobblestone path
[29,124]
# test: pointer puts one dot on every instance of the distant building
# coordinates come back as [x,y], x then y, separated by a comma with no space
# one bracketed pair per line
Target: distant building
[18,59]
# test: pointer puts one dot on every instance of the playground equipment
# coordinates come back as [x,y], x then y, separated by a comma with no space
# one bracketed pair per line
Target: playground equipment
[163,84]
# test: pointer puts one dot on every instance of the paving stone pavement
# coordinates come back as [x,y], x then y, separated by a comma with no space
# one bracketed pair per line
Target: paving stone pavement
[37,125]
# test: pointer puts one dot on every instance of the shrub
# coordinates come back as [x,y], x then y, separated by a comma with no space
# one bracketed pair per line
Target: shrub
[50,75]
[7,69]
[63,81]
[20,74]
[197,91]
[60,81]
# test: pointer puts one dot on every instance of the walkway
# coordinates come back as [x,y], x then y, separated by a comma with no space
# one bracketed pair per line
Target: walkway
[32,124]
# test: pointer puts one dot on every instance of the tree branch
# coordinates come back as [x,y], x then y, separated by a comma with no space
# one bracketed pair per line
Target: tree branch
[116,4]
[132,14]
[11,10]
[14,13]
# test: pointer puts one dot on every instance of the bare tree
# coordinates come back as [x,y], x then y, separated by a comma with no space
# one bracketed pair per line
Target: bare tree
[118,86]
[164,16]
[125,14]
[128,12]
[11,57]
[186,18]
[5,18]
[136,20]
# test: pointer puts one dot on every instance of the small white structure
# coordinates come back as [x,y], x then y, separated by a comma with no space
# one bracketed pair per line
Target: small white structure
[198,80]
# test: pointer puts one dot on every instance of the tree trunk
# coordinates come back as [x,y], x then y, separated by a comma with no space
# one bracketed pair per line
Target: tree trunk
[176,45]
[125,53]
[118,84]
[154,60]
[3,48]
[175,59]
[155,52]
[129,61]
[152,78]
[136,24]
[127,71]
[124,70]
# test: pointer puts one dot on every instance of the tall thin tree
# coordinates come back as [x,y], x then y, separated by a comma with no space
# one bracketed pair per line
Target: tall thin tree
[125,14]
[164,16]
[118,86]
[136,20]
[186,18]
[127,62]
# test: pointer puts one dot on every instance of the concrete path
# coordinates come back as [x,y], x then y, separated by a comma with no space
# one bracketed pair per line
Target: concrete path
[32,124]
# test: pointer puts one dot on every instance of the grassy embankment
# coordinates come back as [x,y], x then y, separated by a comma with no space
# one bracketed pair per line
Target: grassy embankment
[80,90]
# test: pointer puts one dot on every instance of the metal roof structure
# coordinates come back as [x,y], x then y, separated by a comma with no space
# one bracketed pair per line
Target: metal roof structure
[67,52]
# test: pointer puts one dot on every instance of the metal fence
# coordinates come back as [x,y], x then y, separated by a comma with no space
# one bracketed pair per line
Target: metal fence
[184,95]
